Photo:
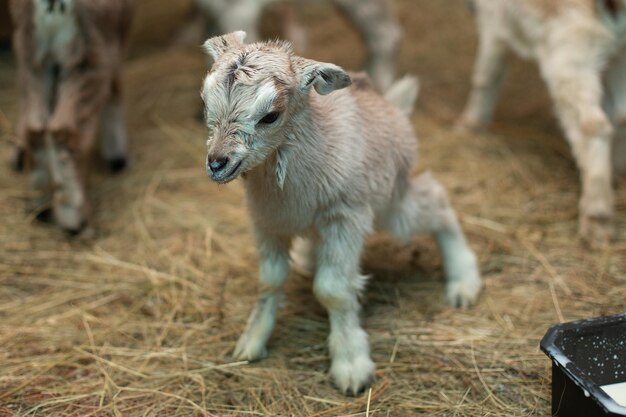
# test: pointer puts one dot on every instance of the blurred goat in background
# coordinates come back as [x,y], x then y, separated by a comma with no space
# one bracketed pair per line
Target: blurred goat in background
[579,46]
[69,54]
[374,20]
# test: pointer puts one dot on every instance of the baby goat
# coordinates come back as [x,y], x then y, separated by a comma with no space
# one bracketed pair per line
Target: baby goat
[69,54]
[579,46]
[329,168]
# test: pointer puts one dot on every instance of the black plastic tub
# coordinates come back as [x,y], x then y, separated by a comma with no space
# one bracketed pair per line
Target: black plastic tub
[588,367]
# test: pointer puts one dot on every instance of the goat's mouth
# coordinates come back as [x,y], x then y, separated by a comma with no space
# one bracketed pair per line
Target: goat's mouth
[232,174]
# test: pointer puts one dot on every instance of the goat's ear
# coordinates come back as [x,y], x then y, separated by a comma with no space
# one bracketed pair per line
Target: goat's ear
[217,45]
[325,78]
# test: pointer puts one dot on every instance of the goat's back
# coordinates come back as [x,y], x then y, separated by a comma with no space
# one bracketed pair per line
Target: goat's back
[390,138]
[532,27]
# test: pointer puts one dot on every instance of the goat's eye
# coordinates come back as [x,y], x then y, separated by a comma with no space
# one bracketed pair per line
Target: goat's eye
[269,118]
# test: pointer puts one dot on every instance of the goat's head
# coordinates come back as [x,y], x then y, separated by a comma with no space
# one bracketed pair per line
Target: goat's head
[251,95]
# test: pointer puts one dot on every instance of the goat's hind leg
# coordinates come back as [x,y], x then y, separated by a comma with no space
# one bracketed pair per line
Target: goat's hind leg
[422,206]
[274,268]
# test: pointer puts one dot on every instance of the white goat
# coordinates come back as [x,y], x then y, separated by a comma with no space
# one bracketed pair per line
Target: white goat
[579,46]
[329,168]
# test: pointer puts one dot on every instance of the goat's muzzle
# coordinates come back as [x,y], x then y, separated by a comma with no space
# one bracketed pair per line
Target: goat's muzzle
[217,164]
[222,169]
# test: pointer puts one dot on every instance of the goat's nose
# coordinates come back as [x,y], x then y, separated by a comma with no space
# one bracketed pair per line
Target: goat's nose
[217,164]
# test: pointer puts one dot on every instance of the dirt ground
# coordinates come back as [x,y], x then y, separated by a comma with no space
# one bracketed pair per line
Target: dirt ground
[141,321]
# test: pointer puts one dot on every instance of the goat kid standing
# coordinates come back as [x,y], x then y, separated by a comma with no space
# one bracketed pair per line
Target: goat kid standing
[580,48]
[328,169]
[69,55]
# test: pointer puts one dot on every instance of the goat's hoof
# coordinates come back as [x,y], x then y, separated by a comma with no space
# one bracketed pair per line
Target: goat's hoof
[117,164]
[45,215]
[463,279]
[81,231]
[463,293]
[597,231]
[18,161]
[352,376]
[249,350]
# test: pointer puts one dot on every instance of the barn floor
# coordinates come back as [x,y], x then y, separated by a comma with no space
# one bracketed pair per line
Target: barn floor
[141,321]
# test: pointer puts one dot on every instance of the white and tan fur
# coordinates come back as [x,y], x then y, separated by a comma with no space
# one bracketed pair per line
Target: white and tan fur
[326,162]
[374,20]
[69,54]
[579,46]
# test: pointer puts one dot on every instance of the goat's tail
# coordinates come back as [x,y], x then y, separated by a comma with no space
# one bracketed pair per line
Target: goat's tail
[403,94]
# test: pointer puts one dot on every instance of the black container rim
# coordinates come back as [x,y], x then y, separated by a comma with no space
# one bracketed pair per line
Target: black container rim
[571,370]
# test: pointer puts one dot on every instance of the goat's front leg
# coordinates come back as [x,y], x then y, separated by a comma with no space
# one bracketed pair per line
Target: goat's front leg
[577,92]
[36,87]
[72,207]
[35,90]
[337,286]
[274,268]
[82,94]
[487,78]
